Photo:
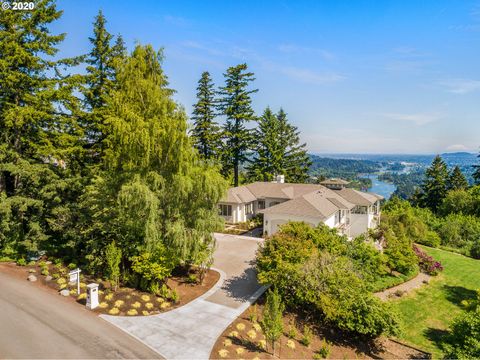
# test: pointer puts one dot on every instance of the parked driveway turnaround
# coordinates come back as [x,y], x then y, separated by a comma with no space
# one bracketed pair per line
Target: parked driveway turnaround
[34,324]
[190,331]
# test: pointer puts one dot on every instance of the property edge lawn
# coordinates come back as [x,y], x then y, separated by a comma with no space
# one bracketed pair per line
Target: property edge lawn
[428,312]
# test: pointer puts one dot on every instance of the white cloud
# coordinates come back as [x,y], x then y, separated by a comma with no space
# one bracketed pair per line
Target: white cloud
[457,147]
[461,86]
[415,118]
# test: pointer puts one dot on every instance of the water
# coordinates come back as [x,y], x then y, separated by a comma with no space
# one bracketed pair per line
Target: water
[380,187]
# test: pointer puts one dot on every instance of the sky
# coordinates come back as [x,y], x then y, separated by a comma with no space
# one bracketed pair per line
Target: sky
[354,76]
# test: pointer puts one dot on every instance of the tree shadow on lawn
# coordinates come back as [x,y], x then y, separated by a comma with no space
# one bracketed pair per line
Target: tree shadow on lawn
[456,294]
[437,336]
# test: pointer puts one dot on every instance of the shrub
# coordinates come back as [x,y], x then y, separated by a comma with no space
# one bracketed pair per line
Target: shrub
[291,344]
[223,353]
[227,342]
[427,263]
[152,269]
[21,262]
[132,312]
[464,339]
[82,296]
[72,266]
[257,327]
[252,316]
[252,334]
[174,296]
[149,306]
[119,303]
[103,305]
[109,297]
[44,271]
[61,281]
[240,326]
[136,305]
[292,330]
[145,313]
[113,256]
[114,311]
[324,350]
[239,350]
[233,334]
[192,279]
[31,263]
[307,336]
[165,305]
[32,271]
[145,297]
[55,276]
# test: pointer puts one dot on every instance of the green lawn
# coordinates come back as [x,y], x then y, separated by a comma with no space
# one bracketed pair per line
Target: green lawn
[428,312]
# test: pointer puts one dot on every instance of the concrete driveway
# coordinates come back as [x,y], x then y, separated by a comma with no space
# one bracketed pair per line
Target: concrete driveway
[190,332]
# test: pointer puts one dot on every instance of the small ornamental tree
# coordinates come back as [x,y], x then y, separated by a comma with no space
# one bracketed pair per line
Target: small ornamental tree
[272,321]
[113,256]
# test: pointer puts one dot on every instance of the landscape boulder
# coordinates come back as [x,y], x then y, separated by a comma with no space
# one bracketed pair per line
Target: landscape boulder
[32,278]
[65,292]
[48,278]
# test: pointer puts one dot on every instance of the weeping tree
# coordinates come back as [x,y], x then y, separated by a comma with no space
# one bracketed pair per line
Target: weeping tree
[155,195]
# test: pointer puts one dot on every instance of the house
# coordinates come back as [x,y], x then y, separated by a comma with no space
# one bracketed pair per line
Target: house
[350,211]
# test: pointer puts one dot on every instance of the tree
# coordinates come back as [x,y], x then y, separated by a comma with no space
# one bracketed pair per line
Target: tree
[278,150]
[272,321]
[113,256]
[457,180]
[236,105]
[39,130]
[464,339]
[434,187]
[100,79]
[153,192]
[296,160]
[476,173]
[206,132]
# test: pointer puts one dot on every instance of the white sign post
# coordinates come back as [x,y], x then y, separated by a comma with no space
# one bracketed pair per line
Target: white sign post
[75,277]
[92,296]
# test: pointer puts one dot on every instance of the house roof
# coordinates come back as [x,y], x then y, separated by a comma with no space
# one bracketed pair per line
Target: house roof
[334,181]
[239,195]
[321,203]
[359,197]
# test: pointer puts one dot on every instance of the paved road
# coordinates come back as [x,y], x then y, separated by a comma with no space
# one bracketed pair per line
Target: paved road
[34,323]
[190,331]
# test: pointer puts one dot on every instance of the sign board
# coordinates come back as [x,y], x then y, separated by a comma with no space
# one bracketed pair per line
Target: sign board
[74,275]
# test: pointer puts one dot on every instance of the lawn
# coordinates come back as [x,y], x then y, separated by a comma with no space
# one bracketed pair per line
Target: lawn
[428,312]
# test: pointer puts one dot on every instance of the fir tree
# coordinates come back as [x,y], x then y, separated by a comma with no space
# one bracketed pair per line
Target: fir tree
[278,151]
[236,105]
[476,173]
[296,160]
[38,128]
[457,180]
[206,132]
[434,187]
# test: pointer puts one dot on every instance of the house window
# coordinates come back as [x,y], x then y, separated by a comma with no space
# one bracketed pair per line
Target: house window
[225,210]
[261,204]
[249,209]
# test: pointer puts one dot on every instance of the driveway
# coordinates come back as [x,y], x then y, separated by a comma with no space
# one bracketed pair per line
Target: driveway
[35,325]
[190,331]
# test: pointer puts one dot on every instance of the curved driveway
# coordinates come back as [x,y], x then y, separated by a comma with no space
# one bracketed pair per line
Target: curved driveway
[190,331]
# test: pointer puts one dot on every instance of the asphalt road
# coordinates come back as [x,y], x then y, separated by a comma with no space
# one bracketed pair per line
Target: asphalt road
[36,323]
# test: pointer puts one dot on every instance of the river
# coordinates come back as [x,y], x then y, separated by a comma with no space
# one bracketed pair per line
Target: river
[380,187]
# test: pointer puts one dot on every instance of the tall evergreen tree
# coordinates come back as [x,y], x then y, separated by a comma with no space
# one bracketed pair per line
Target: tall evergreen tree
[457,180]
[38,128]
[278,151]
[236,105]
[206,132]
[100,79]
[476,173]
[434,187]
[297,162]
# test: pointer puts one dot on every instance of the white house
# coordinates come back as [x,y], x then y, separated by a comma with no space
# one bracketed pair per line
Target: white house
[351,211]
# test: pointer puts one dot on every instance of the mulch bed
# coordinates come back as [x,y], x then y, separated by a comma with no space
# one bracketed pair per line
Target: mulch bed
[124,301]
[244,339]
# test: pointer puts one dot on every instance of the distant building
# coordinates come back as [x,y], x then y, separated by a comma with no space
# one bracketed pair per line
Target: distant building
[350,211]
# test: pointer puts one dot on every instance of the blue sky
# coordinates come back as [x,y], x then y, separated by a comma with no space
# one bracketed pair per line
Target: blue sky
[354,76]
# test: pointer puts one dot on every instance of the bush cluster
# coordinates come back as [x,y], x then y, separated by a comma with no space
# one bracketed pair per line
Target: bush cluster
[427,263]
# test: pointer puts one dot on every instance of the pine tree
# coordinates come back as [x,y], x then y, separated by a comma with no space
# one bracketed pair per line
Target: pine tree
[457,180]
[206,132]
[434,187]
[100,80]
[236,105]
[278,151]
[296,160]
[39,133]
[476,173]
